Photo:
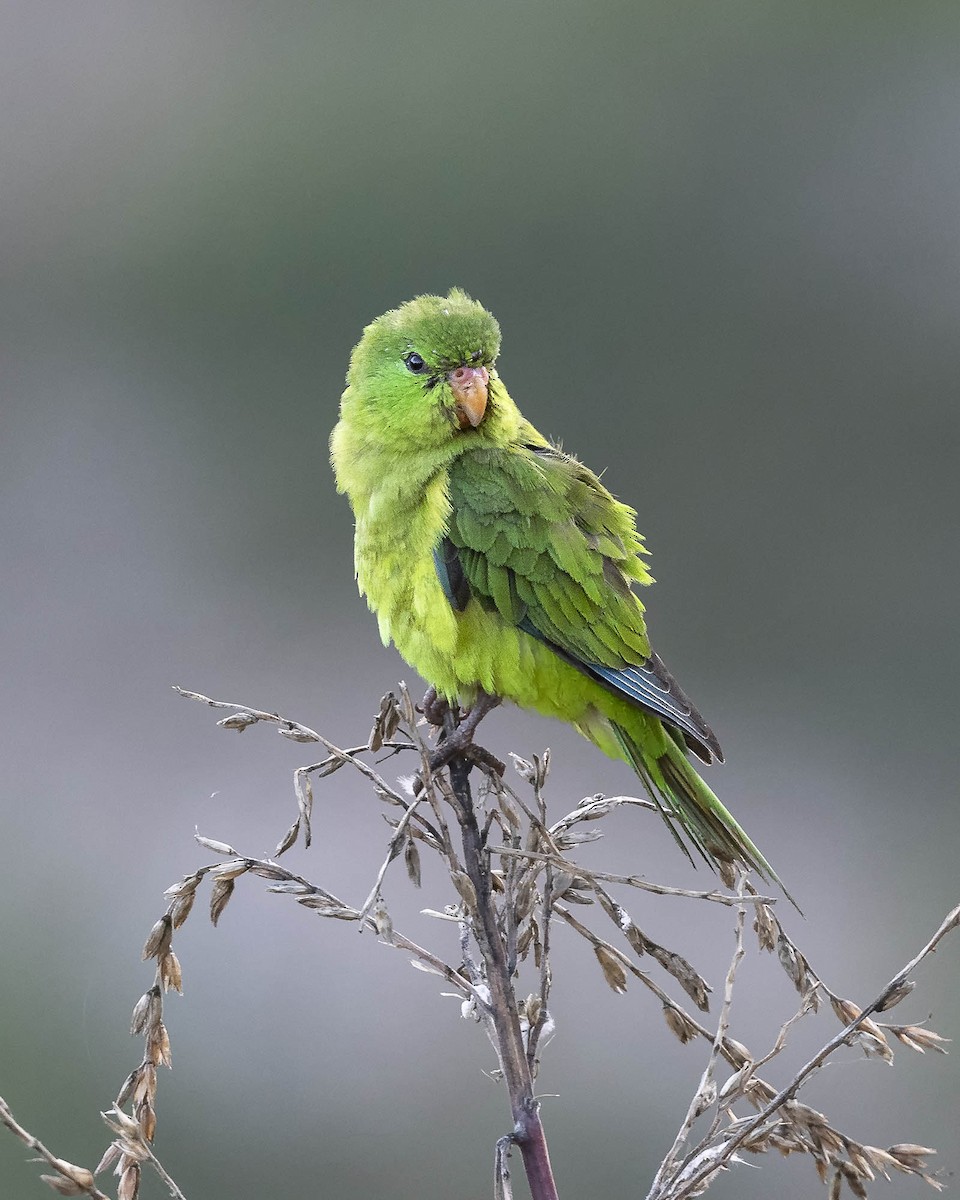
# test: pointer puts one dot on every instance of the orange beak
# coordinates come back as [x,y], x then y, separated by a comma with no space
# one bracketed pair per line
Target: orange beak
[469,387]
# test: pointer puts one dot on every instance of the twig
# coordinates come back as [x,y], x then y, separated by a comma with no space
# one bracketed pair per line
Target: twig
[70,1180]
[695,1174]
[528,1128]
[395,843]
[506,912]
[706,1092]
[635,881]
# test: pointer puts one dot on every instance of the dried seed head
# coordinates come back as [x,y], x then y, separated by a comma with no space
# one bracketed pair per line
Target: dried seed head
[129,1186]
[214,846]
[238,721]
[706,1098]
[574,893]
[880,1160]
[126,1089]
[679,1024]
[561,881]
[147,1119]
[592,808]
[381,918]
[859,1160]
[910,1156]
[635,937]
[411,860]
[79,1177]
[847,1012]
[288,839]
[385,723]
[897,993]
[566,841]
[537,942]
[110,1156]
[291,887]
[727,872]
[180,908]
[159,939]
[759,1092]
[792,961]
[121,1123]
[220,898]
[524,768]
[676,965]
[612,968]
[297,733]
[737,1054]
[918,1038]
[524,903]
[66,1187]
[731,1088]
[464,886]
[187,886]
[231,870]
[765,926]
[541,765]
[158,1046]
[798,970]
[146,1012]
[146,1084]
[874,1044]
[267,870]
[508,810]
[853,1181]
[170,974]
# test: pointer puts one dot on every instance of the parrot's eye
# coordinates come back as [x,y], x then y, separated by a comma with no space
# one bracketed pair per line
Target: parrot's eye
[415,363]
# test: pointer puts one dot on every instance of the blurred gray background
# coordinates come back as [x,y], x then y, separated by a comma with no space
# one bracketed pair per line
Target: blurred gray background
[722,241]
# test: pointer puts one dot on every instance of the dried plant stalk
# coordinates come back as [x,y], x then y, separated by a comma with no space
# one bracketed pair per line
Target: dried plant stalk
[514,884]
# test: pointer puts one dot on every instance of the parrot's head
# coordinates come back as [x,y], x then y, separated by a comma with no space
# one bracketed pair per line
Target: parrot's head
[422,378]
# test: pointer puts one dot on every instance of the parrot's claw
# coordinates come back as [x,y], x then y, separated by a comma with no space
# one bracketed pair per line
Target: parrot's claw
[434,707]
[457,736]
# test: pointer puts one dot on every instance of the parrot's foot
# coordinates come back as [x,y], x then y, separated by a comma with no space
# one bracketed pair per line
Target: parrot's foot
[434,707]
[458,739]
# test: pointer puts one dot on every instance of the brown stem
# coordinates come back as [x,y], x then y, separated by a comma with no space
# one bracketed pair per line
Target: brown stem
[527,1128]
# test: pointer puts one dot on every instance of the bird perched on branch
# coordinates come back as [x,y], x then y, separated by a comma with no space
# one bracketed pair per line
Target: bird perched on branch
[502,568]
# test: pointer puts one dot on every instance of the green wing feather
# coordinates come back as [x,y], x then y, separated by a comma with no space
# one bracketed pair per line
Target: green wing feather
[536,538]
[541,540]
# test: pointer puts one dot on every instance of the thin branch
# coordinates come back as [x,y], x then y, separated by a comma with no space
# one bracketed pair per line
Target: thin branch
[706,1092]
[506,914]
[70,1179]
[546,976]
[394,849]
[337,908]
[528,1128]
[695,1175]
[635,881]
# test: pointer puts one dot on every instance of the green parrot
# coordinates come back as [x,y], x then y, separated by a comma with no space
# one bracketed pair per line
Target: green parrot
[502,568]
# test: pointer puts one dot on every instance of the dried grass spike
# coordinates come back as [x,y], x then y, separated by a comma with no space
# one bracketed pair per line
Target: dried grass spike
[220,898]
[612,968]
[159,939]
[679,1024]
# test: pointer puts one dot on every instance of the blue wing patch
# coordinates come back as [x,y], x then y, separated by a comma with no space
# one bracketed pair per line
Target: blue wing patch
[650,685]
[456,586]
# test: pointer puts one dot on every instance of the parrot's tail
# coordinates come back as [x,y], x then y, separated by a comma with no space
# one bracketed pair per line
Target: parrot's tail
[686,801]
